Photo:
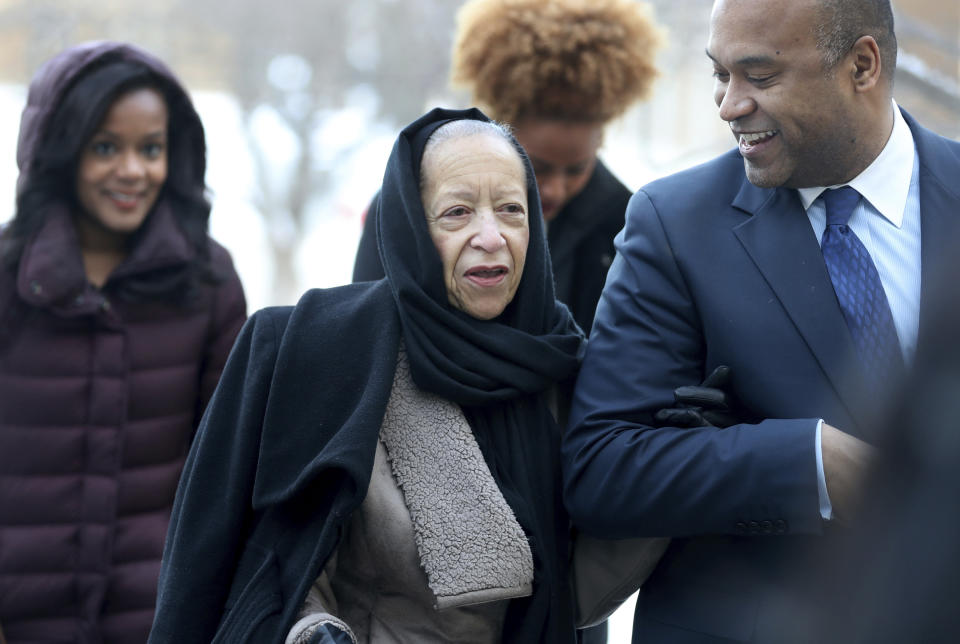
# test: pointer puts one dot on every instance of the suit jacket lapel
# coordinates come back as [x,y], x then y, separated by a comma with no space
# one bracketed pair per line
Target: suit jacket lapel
[939,214]
[782,244]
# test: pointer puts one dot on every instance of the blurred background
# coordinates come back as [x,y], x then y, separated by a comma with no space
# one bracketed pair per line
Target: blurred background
[302,99]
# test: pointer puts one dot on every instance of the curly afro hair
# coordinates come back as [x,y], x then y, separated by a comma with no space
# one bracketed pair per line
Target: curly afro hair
[570,60]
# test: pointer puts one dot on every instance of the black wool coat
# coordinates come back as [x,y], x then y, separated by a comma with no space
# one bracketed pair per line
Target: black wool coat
[236,570]
[581,242]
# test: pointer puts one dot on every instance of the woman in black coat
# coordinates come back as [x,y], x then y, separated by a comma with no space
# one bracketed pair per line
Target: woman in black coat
[381,461]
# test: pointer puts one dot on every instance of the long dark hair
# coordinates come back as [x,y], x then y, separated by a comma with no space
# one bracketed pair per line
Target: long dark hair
[51,176]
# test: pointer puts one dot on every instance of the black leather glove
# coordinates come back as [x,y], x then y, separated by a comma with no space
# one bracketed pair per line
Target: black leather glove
[706,404]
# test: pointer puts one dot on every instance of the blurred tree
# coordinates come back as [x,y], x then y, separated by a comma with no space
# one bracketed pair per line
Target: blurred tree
[295,63]
[298,62]
[34,30]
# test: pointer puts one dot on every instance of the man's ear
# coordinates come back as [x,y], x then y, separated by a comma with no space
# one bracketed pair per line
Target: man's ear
[867,65]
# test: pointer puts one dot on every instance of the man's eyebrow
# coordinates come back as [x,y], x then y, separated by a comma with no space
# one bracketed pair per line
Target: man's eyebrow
[746,61]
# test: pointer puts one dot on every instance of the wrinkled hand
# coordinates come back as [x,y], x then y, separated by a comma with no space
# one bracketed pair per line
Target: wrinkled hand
[703,405]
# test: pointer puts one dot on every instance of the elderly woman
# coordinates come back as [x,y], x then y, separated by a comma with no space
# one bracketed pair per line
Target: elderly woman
[571,68]
[380,462]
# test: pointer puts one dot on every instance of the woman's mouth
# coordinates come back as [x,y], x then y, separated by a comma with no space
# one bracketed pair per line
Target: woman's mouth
[124,200]
[486,275]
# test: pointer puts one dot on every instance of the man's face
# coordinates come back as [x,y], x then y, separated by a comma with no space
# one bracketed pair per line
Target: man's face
[794,121]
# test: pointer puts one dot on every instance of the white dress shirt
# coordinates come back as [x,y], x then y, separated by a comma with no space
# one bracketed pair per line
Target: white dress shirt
[887,221]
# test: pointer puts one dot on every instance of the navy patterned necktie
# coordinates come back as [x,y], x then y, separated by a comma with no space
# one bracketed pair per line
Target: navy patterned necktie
[860,292]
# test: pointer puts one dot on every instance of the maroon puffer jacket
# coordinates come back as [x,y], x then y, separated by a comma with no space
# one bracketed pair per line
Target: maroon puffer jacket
[99,399]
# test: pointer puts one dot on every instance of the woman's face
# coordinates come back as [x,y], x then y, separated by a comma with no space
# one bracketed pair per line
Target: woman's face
[124,165]
[563,155]
[475,198]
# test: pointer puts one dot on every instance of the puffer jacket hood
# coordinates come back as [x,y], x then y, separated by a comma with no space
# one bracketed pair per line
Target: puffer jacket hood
[55,77]
[50,267]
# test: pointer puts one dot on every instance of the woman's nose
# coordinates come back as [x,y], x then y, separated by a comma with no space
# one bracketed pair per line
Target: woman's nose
[131,166]
[488,238]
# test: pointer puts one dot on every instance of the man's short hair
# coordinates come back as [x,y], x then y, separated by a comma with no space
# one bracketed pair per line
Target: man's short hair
[842,22]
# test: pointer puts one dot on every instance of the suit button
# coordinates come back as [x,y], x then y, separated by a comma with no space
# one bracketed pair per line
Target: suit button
[766,526]
[35,287]
[754,527]
[741,526]
[780,526]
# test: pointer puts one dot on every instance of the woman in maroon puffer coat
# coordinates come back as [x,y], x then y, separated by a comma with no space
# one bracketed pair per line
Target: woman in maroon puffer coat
[117,312]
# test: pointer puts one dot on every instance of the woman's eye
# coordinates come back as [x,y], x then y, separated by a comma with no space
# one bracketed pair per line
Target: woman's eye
[103,148]
[457,211]
[512,208]
[153,150]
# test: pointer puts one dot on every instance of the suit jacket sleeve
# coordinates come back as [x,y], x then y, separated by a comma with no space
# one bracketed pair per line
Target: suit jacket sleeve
[624,477]
[212,506]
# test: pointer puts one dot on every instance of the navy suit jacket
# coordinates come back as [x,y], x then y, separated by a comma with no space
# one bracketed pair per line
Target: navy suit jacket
[712,270]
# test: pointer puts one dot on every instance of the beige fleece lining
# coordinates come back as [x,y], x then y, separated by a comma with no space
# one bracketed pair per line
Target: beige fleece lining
[471,546]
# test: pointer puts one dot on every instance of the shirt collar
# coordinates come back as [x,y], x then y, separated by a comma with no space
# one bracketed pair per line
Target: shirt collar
[885,183]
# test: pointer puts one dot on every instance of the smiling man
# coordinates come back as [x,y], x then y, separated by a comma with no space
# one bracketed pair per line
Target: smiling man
[800,260]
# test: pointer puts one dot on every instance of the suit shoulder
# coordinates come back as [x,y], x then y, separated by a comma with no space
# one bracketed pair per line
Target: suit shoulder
[700,199]
[716,181]
[938,153]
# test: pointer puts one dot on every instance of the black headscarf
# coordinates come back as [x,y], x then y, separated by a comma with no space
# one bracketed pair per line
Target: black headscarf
[499,371]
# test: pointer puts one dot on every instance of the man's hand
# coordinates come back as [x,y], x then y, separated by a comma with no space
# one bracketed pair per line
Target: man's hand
[706,404]
[846,461]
